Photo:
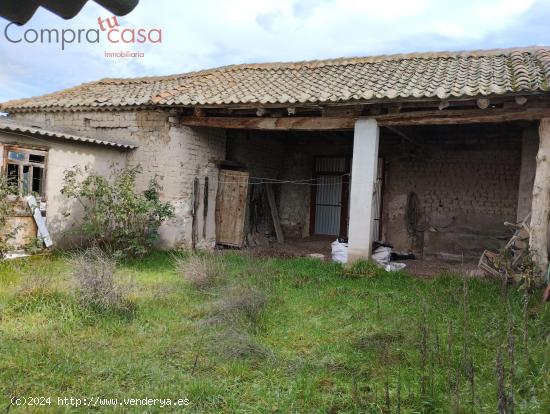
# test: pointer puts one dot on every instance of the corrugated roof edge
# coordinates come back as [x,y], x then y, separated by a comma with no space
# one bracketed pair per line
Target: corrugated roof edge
[15,127]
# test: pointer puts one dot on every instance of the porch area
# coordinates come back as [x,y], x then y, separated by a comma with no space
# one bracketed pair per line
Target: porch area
[439,192]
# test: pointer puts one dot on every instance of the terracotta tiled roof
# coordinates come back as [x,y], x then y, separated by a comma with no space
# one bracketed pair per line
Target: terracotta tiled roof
[397,77]
[8,125]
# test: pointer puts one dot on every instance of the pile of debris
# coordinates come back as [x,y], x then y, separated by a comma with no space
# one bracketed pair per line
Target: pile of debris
[510,264]
[382,254]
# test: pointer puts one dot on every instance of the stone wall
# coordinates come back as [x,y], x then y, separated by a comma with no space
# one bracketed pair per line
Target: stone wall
[172,153]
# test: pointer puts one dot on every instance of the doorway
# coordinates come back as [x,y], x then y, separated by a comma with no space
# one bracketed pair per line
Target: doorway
[330,196]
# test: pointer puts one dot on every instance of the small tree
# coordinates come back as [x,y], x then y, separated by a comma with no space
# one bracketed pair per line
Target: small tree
[116,216]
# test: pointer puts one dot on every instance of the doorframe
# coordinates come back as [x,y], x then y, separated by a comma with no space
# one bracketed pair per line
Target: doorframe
[344,196]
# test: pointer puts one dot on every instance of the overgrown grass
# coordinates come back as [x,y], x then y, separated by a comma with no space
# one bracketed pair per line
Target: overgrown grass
[273,335]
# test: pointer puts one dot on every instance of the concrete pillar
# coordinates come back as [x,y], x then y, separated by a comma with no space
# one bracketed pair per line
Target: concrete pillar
[364,168]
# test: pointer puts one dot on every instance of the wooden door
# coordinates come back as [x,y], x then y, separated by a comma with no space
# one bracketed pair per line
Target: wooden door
[231,207]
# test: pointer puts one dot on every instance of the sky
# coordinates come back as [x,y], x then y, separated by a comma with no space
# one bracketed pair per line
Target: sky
[211,33]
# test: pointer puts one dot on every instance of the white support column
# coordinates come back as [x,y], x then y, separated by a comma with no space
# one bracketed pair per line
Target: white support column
[364,169]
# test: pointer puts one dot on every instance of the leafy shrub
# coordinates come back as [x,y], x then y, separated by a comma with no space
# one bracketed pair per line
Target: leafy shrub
[117,217]
[94,273]
[6,209]
[201,271]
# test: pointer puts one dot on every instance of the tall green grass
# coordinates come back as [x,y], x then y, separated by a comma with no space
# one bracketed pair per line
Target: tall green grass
[331,341]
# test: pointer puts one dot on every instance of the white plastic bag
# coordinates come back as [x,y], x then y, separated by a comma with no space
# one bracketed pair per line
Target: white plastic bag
[381,255]
[339,252]
[395,267]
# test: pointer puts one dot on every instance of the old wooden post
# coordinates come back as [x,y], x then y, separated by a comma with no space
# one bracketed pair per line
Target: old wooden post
[541,202]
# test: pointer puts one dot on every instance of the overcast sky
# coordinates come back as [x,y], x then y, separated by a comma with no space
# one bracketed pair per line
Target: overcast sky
[210,33]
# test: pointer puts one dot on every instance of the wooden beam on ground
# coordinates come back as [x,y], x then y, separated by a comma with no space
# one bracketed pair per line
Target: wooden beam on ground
[466,116]
[293,123]
[274,213]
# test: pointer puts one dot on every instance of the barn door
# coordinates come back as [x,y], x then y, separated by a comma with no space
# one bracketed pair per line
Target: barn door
[330,196]
[231,207]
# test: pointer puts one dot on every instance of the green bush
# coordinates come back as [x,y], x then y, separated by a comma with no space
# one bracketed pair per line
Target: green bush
[117,217]
[6,209]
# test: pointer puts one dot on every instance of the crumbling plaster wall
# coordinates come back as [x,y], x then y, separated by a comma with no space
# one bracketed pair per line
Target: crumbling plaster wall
[466,181]
[166,150]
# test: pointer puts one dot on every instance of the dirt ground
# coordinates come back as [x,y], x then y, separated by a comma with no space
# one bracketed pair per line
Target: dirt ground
[419,267]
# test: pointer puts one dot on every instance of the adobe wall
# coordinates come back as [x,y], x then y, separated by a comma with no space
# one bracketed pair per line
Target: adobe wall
[172,153]
[466,180]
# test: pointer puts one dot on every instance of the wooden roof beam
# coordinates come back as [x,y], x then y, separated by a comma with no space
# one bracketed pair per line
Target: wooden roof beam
[282,124]
[319,123]
[465,116]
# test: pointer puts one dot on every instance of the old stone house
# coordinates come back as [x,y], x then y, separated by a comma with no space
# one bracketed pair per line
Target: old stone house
[430,152]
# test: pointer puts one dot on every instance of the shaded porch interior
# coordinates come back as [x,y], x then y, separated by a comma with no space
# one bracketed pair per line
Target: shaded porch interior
[443,192]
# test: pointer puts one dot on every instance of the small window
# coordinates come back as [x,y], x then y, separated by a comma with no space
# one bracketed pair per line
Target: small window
[25,170]
[16,156]
[36,158]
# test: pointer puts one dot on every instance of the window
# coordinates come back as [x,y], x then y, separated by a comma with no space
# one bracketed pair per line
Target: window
[25,169]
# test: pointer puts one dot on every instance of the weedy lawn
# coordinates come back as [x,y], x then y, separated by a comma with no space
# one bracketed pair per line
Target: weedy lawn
[272,335]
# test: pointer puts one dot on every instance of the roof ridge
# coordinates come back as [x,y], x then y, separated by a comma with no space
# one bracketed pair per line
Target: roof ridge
[327,62]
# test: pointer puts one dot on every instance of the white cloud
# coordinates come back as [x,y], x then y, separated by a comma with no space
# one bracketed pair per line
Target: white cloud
[211,33]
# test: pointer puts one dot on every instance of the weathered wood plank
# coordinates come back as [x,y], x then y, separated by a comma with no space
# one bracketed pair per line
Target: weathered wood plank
[294,123]
[470,116]
[274,213]
[327,123]
[231,207]
[540,210]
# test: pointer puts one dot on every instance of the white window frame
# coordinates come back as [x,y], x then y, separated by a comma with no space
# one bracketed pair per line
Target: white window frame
[25,162]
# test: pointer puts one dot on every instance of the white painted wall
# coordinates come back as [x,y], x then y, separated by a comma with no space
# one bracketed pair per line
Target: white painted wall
[63,155]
